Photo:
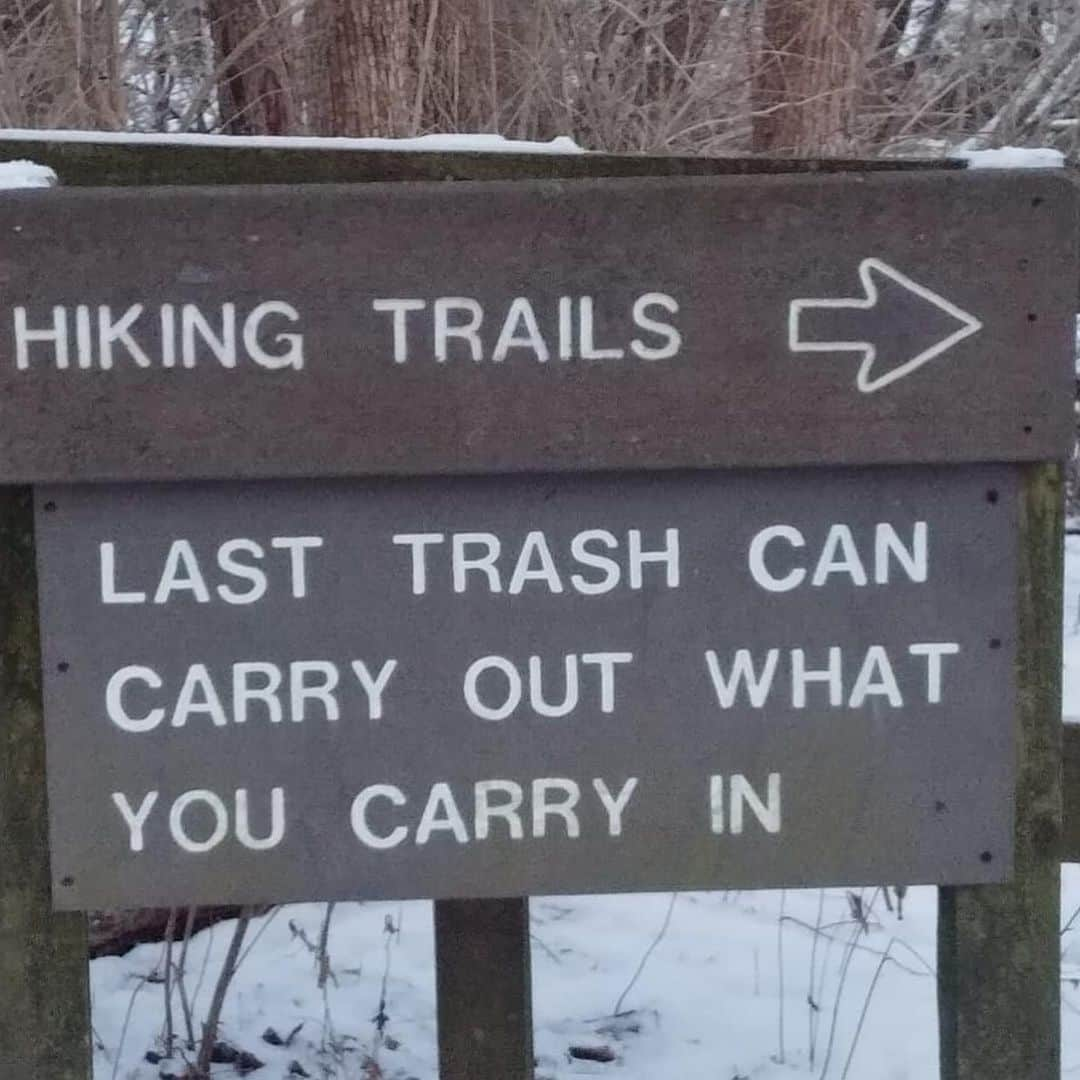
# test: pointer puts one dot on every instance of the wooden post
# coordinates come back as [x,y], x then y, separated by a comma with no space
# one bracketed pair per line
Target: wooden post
[44,996]
[998,945]
[484,980]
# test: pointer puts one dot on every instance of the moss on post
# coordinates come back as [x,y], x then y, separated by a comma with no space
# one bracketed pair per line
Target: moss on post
[44,998]
[998,945]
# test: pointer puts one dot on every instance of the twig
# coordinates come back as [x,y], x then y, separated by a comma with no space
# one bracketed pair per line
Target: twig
[554,956]
[845,964]
[780,963]
[143,980]
[813,1009]
[645,957]
[217,1002]
[271,916]
[170,931]
[181,977]
[885,959]
[324,946]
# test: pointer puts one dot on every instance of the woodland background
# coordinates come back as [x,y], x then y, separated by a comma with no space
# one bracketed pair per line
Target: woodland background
[803,77]
[811,78]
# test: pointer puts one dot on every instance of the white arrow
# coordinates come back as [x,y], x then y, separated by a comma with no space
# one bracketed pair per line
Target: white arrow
[866,381]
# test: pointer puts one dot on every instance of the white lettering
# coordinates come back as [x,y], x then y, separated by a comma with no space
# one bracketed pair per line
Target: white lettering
[374,687]
[358,817]
[615,805]
[800,677]
[277,821]
[934,651]
[760,572]
[114,699]
[291,355]
[441,814]
[135,819]
[544,806]
[466,331]
[418,544]
[667,555]
[508,810]
[742,672]
[671,337]
[109,593]
[472,696]
[400,309]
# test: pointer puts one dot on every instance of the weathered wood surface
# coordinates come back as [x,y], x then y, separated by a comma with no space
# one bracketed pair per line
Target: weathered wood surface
[90,164]
[999,1004]
[44,997]
[484,982]
[998,945]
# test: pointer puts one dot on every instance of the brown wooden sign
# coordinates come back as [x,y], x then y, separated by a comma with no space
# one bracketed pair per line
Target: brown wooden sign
[536,325]
[499,686]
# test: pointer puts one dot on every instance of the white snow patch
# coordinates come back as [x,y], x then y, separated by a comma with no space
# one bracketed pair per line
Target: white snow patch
[478,143]
[25,174]
[1012,157]
[710,1002]
[725,993]
[1070,689]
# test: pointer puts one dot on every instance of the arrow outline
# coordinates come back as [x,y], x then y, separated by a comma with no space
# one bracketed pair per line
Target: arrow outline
[970,325]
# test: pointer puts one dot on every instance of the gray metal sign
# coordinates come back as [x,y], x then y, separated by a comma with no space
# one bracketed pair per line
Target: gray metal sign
[498,686]
[536,325]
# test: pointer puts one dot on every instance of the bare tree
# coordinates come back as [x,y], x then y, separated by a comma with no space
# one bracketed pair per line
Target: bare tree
[407,67]
[61,64]
[813,58]
[252,40]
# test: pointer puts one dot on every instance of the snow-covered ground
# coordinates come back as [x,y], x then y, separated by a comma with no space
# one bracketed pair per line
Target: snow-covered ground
[735,985]
[1070,705]
[708,1003]
[724,995]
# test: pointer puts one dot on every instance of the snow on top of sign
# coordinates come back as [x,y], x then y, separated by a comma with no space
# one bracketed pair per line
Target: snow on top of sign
[25,174]
[478,143]
[1012,157]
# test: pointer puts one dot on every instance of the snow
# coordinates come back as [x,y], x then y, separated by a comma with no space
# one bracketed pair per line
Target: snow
[478,143]
[709,1003]
[25,174]
[1070,695]
[1012,157]
[722,994]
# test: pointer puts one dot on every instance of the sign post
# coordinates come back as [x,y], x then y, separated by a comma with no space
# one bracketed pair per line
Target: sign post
[44,992]
[999,960]
[484,985]
[578,536]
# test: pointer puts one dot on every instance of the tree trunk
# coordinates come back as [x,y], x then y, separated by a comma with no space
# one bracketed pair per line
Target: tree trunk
[39,87]
[251,39]
[398,68]
[370,75]
[809,72]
